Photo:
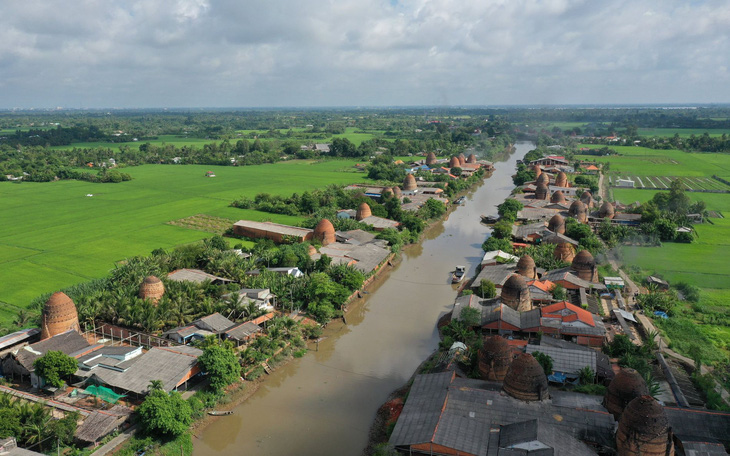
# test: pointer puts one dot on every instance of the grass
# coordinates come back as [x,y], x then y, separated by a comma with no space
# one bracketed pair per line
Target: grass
[683,132]
[59,236]
[652,162]
[702,263]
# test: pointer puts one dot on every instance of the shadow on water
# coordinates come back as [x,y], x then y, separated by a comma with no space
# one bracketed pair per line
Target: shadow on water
[324,402]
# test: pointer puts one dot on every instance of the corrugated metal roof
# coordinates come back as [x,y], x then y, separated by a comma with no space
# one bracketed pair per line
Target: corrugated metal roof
[564,360]
[169,365]
[18,337]
[497,274]
[274,228]
[459,413]
[194,275]
[701,424]
[417,423]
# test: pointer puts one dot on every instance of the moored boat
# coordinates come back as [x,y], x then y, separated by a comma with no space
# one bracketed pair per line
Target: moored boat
[458,274]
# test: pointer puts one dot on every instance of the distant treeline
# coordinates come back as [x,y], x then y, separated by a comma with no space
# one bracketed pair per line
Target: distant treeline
[41,164]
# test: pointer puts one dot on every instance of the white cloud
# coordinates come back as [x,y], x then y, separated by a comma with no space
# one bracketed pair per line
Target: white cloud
[360,52]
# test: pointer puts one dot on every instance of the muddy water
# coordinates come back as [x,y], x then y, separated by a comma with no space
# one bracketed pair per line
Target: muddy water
[324,403]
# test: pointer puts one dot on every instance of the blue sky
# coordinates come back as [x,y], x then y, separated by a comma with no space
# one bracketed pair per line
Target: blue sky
[231,53]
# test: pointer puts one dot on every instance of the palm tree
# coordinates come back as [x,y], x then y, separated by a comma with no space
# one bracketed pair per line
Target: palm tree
[233,305]
[23,318]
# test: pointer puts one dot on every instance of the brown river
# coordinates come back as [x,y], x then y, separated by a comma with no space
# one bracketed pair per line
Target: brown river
[325,402]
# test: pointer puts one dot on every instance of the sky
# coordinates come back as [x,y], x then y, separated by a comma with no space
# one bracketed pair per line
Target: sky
[270,53]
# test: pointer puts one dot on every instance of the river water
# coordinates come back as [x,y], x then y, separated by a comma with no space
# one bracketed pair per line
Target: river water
[325,402]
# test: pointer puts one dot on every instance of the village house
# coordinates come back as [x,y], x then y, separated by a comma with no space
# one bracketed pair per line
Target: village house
[284,270]
[563,320]
[173,366]
[19,363]
[262,297]
[18,339]
[274,231]
[197,276]
[9,447]
[550,160]
[199,329]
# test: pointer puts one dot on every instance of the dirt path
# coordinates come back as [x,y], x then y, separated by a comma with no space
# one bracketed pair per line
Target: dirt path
[602,191]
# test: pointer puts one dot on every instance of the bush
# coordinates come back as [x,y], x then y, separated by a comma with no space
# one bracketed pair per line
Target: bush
[54,366]
[509,208]
[486,289]
[596,390]
[166,414]
[220,363]
[502,230]
[546,362]
[691,293]
[493,243]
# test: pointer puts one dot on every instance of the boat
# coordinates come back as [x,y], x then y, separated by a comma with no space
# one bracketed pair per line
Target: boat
[460,200]
[490,219]
[458,274]
[220,412]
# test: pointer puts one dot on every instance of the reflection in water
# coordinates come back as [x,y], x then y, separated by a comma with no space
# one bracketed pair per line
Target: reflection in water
[324,403]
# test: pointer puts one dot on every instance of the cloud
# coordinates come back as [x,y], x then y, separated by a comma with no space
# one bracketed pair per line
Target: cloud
[148,53]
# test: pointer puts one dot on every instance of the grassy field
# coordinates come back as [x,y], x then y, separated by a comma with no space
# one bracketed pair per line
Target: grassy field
[56,236]
[682,132]
[652,162]
[702,263]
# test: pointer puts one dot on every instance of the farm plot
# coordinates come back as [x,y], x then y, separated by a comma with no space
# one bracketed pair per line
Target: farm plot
[692,183]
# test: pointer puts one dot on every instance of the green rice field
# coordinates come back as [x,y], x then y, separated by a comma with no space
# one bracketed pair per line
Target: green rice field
[702,263]
[683,132]
[652,162]
[53,235]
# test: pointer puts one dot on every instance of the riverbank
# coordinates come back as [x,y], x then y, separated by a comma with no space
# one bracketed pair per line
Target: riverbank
[324,403]
[241,392]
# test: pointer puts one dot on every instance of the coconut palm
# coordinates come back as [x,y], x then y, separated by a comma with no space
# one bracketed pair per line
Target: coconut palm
[23,318]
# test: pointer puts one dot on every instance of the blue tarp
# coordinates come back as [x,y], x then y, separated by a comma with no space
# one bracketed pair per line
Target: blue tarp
[659,313]
[557,377]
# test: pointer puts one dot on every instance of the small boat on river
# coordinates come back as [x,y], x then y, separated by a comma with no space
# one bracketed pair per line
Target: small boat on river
[458,274]
[220,412]
[460,200]
[490,219]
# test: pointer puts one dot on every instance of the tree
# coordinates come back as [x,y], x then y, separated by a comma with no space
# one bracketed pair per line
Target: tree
[666,228]
[471,317]
[54,366]
[220,363]
[65,428]
[456,171]
[343,147]
[486,289]
[217,242]
[546,362]
[509,208]
[502,230]
[586,376]
[163,413]
[493,243]
[559,293]
[9,423]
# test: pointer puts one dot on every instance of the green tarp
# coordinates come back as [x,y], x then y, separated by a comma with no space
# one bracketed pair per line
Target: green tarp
[104,393]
